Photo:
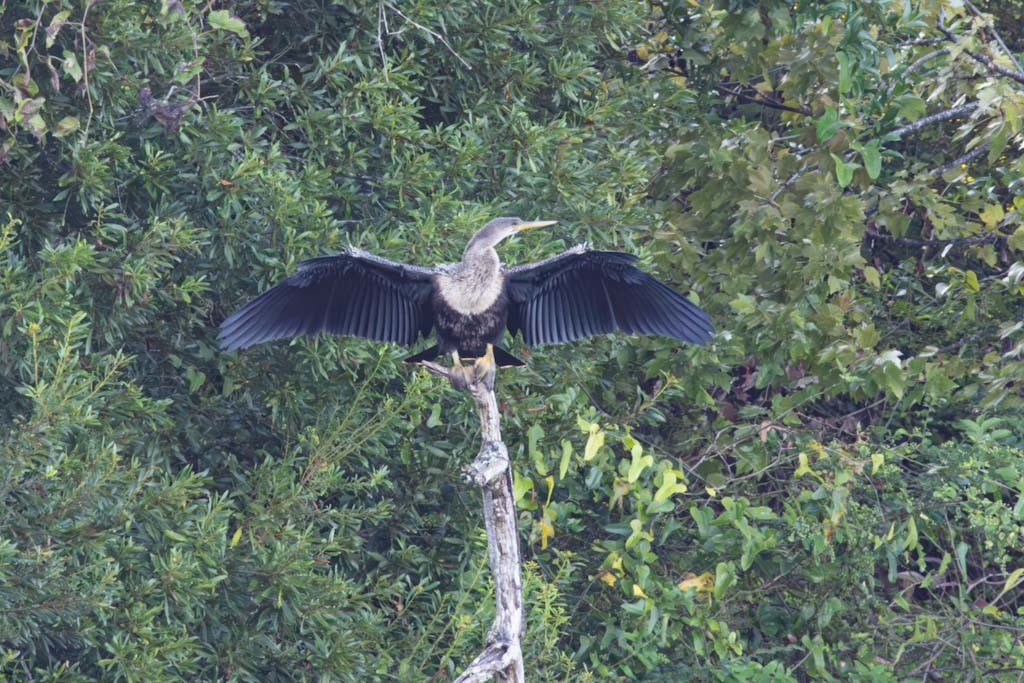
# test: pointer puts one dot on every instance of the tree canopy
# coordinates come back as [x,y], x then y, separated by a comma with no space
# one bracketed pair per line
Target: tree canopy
[832,489]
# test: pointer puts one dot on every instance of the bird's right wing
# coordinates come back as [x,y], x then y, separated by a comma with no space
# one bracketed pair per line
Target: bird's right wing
[581,293]
[353,293]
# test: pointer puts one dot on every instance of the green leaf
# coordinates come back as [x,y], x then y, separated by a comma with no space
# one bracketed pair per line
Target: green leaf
[638,463]
[804,466]
[1016,240]
[66,126]
[872,156]
[991,215]
[1012,581]
[871,276]
[434,419]
[520,486]
[223,20]
[563,464]
[533,435]
[844,171]
[56,24]
[196,379]
[70,66]
[668,487]
[910,542]
[844,72]
[725,578]
[36,125]
[828,124]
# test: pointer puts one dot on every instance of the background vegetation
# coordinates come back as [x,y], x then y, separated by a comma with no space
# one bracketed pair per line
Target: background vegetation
[833,490]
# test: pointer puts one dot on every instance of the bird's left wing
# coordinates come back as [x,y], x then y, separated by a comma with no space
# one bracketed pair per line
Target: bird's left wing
[354,293]
[581,293]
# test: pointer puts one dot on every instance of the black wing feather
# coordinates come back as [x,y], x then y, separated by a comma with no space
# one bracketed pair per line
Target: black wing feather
[352,293]
[581,293]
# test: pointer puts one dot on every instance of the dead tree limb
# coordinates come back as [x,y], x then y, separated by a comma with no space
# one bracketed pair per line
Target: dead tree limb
[491,470]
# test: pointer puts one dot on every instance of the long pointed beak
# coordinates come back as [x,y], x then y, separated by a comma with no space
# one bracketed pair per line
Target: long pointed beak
[534,224]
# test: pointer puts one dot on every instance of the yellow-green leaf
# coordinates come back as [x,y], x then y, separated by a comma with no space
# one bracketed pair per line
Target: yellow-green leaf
[1016,240]
[1012,581]
[594,443]
[520,485]
[236,537]
[222,19]
[803,467]
[66,126]
[563,464]
[991,215]
[668,486]
[971,281]
[701,583]
[872,277]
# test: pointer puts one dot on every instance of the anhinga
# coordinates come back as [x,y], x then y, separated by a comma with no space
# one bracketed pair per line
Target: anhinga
[579,293]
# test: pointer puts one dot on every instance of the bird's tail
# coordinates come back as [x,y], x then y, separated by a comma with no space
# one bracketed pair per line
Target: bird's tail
[503,358]
[425,354]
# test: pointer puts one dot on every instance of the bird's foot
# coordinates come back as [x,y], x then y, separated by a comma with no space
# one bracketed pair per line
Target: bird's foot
[485,368]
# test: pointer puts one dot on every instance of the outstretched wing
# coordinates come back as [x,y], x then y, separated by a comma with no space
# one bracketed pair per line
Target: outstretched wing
[353,293]
[581,293]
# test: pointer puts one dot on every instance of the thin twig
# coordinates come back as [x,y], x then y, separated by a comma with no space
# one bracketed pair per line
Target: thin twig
[382,29]
[995,34]
[917,64]
[792,179]
[435,34]
[85,67]
[771,104]
[987,61]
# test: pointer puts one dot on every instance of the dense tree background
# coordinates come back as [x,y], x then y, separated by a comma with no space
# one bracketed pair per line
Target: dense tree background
[834,489]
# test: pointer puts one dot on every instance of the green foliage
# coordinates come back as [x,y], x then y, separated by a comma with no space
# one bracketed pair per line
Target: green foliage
[830,491]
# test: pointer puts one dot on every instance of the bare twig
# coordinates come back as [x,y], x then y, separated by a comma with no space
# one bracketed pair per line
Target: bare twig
[764,101]
[1015,74]
[918,63]
[382,30]
[784,186]
[502,657]
[995,34]
[85,67]
[426,30]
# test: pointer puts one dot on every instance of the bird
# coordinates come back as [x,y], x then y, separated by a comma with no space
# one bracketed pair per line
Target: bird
[578,293]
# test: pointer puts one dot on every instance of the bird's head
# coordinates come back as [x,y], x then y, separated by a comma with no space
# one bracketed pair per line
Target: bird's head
[498,229]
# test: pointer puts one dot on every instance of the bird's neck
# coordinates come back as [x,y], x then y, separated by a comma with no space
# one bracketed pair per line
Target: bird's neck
[480,263]
[474,284]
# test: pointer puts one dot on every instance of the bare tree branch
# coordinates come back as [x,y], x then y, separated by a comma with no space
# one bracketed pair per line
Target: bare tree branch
[491,470]
[964,159]
[1016,75]
[954,113]
[918,63]
[995,34]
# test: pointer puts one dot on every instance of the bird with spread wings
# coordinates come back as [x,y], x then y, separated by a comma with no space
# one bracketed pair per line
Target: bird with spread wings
[469,305]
